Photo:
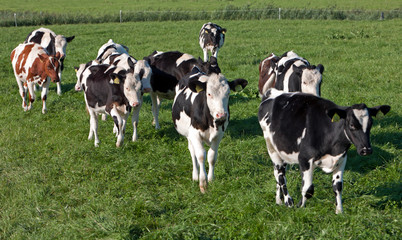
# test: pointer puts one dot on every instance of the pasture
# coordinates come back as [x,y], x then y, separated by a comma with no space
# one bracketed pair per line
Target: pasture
[54,184]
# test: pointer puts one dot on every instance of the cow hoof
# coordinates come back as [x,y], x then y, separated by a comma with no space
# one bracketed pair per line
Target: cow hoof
[289,202]
[44,111]
[135,138]
[338,211]
[203,189]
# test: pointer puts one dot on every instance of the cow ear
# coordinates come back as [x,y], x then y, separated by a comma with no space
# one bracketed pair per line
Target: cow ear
[238,84]
[197,86]
[195,70]
[320,68]
[130,63]
[76,69]
[224,30]
[69,39]
[213,60]
[336,113]
[43,57]
[383,108]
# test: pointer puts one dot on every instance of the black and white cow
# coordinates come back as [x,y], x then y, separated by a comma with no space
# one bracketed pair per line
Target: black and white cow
[200,112]
[109,48]
[141,71]
[298,129]
[295,74]
[167,69]
[211,38]
[108,90]
[53,44]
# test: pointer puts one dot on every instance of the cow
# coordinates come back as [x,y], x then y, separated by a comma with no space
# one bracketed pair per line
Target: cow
[53,44]
[295,74]
[108,89]
[109,48]
[167,69]
[211,38]
[200,112]
[298,129]
[33,65]
[141,71]
[267,70]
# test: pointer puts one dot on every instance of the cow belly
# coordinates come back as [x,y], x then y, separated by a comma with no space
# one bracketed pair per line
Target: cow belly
[183,124]
[328,163]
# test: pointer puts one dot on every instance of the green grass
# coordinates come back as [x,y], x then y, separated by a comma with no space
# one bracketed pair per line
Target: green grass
[55,185]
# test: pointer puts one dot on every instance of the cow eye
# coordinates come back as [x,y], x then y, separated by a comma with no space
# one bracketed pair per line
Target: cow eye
[352,126]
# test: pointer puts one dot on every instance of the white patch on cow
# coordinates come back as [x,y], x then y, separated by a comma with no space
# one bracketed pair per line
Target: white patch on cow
[311,79]
[183,124]
[302,136]
[217,95]
[329,163]
[363,117]
[184,57]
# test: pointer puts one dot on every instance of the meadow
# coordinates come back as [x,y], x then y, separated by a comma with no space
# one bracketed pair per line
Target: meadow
[54,184]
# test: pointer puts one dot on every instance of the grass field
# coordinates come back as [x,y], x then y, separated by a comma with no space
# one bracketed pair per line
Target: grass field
[55,185]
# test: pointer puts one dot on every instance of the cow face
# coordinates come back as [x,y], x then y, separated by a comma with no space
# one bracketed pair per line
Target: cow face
[217,90]
[143,73]
[213,35]
[51,66]
[132,87]
[310,77]
[357,124]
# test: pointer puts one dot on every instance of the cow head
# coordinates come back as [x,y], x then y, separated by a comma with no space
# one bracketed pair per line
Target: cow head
[216,89]
[213,34]
[60,46]
[51,66]
[131,86]
[357,124]
[143,73]
[311,77]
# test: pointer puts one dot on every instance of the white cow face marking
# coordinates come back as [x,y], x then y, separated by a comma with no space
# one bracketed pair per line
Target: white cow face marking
[217,96]
[311,81]
[363,117]
[132,90]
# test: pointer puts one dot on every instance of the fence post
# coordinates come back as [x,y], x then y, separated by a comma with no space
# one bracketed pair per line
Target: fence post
[120,17]
[382,16]
[279,13]
[15,19]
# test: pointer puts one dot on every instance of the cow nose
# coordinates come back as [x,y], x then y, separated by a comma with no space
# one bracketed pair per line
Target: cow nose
[366,151]
[220,115]
[136,104]
[147,90]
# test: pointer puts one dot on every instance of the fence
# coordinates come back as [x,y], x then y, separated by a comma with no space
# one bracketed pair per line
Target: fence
[230,13]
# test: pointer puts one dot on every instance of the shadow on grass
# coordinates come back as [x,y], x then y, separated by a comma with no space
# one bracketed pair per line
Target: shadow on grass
[391,194]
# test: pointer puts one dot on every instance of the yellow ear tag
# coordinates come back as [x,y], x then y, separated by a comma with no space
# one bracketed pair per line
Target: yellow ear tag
[224,32]
[335,118]
[238,88]
[116,81]
[76,70]
[206,31]
[198,89]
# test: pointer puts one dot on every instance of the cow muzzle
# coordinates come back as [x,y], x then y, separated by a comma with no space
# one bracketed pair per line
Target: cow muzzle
[135,104]
[220,116]
[365,151]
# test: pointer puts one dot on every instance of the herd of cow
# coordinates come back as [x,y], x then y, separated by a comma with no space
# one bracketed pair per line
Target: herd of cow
[298,125]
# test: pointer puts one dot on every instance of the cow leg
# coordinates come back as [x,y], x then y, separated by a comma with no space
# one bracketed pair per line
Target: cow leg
[156,103]
[215,52]
[200,155]
[93,128]
[205,54]
[45,89]
[31,94]
[280,176]
[337,183]
[196,167]
[307,182]
[120,123]
[134,121]
[58,84]
[212,157]
[23,94]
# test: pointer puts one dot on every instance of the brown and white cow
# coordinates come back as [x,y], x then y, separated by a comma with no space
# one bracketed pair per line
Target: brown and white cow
[53,44]
[267,73]
[33,65]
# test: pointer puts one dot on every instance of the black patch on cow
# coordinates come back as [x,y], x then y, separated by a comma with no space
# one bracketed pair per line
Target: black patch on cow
[116,123]
[337,187]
